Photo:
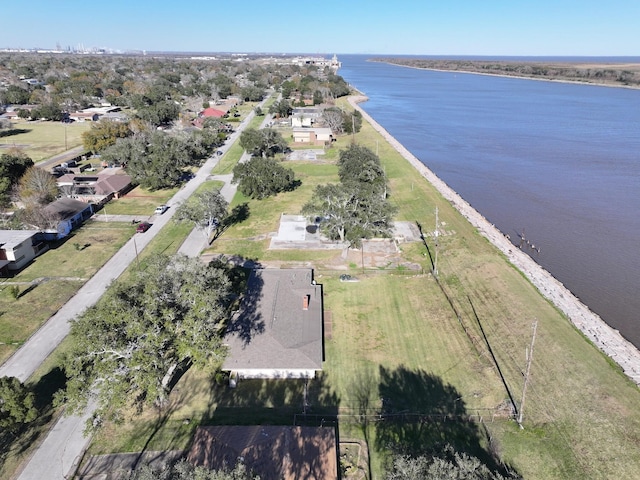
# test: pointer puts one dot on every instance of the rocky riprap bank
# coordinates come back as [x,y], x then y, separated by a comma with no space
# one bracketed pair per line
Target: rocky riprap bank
[606,338]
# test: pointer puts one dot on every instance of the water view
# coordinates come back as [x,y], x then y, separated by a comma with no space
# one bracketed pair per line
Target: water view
[558,163]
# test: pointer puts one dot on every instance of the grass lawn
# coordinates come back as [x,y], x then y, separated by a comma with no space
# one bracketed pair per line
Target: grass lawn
[41,140]
[417,344]
[138,201]
[61,271]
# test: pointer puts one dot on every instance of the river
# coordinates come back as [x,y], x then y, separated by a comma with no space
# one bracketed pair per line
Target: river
[555,163]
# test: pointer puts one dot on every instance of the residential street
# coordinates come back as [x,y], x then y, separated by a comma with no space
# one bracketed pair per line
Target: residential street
[62,449]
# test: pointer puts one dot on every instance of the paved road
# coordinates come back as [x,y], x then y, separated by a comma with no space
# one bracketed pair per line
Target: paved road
[61,450]
[62,157]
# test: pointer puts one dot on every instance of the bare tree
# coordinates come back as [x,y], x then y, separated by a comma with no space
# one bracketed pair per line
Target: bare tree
[333,119]
[37,186]
[35,216]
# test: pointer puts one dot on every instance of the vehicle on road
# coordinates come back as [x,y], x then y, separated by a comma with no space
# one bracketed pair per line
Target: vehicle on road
[143,227]
[160,209]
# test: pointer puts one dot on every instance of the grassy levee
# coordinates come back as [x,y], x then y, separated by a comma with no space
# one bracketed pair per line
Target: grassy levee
[417,344]
[41,140]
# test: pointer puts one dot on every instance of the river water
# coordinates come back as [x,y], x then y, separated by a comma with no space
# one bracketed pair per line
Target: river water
[557,162]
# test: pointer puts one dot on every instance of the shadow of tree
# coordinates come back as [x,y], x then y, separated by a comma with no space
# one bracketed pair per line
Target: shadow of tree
[248,321]
[293,185]
[27,290]
[238,214]
[273,402]
[421,415]
[14,131]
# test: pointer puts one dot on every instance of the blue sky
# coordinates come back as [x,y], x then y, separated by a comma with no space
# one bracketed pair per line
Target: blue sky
[422,27]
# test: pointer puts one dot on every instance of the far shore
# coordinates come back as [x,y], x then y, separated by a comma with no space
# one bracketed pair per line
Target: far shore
[518,77]
[606,338]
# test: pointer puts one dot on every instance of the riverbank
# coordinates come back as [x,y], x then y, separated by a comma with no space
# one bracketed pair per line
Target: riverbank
[540,78]
[607,339]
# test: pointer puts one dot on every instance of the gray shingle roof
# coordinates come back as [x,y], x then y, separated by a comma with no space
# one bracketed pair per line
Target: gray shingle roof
[272,330]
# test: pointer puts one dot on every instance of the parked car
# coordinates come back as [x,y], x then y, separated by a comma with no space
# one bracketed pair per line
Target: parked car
[160,209]
[143,227]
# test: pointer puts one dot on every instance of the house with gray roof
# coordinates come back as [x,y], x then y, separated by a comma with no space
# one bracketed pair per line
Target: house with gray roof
[278,330]
[69,214]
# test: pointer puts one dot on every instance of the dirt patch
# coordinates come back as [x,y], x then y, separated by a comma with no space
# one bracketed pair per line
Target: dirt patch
[354,459]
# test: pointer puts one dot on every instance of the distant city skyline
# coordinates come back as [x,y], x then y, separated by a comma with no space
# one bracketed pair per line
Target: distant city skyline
[414,27]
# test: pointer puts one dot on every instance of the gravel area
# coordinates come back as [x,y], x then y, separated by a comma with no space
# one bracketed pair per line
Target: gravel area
[606,338]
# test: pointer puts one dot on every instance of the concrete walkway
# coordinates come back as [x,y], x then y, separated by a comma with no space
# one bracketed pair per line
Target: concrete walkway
[58,455]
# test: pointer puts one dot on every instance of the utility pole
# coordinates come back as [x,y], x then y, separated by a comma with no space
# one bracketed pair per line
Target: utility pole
[529,356]
[435,235]
[135,246]
[353,128]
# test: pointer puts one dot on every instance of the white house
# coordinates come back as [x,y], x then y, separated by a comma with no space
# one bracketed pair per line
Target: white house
[19,247]
[305,116]
[313,136]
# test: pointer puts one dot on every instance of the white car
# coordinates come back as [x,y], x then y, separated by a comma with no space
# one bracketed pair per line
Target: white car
[160,209]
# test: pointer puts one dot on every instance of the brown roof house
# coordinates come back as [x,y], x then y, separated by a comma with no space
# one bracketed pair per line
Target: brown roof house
[272,452]
[278,330]
[97,189]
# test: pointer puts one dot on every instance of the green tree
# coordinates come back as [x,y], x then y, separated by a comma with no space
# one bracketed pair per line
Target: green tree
[351,121]
[287,88]
[338,86]
[12,167]
[252,93]
[147,330]
[49,111]
[37,187]
[262,143]
[17,404]
[449,465]
[317,97]
[360,165]
[160,113]
[154,160]
[224,85]
[15,95]
[183,470]
[281,108]
[334,205]
[263,177]
[357,208]
[206,210]
[104,134]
